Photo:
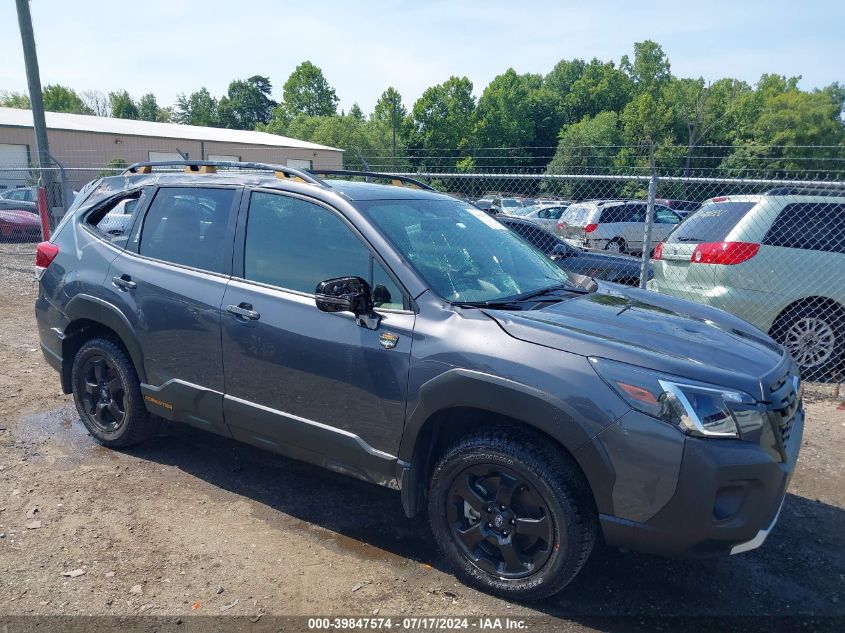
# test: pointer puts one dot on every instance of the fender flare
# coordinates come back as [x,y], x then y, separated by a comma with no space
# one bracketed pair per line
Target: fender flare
[85,306]
[473,389]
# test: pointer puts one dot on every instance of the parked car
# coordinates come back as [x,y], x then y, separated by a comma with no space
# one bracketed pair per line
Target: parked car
[509,206]
[17,225]
[683,208]
[21,199]
[544,215]
[486,205]
[617,226]
[403,337]
[777,262]
[621,269]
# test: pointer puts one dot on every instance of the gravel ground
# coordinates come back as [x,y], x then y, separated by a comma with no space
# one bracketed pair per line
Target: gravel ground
[195,524]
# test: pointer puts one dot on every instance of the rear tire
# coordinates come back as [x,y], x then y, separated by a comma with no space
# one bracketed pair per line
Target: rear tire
[616,245]
[511,514]
[815,337]
[107,394]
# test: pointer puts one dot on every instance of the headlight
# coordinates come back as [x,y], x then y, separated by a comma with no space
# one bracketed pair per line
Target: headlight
[696,408]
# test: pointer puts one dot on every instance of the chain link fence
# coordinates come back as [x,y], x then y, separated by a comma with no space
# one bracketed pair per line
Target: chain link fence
[769,249]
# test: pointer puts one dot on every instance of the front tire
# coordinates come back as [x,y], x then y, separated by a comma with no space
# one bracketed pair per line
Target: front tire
[512,515]
[107,394]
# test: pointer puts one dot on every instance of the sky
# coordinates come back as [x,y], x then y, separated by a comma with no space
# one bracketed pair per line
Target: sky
[363,46]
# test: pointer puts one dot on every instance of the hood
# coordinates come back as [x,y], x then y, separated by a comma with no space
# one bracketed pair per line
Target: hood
[654,331]
[20,217]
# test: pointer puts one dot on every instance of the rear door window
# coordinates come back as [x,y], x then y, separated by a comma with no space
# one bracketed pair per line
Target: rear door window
[616,213]
[662,215]
[187,226]
[813,226]
[711,223]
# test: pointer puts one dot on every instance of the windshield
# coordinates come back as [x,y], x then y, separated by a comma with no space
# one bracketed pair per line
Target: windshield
[711,223]
[461,253]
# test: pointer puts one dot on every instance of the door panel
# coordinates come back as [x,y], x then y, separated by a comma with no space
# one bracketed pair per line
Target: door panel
[298,379]
[170,284]
[315,385]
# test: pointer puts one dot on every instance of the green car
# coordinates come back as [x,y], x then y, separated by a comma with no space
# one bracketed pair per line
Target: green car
[777,261]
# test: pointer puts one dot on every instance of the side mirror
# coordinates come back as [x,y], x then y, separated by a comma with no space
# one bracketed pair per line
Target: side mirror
[347,294]
[559,251]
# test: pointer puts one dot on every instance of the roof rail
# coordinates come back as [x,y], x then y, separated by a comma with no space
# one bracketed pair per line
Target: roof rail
[395,179]
[208,166]
[805,191]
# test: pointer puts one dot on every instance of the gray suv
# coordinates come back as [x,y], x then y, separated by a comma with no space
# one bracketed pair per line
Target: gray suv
[406,338]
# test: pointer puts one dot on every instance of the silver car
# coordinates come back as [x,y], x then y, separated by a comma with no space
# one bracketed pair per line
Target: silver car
[777,261]
[616,226]
[545,215]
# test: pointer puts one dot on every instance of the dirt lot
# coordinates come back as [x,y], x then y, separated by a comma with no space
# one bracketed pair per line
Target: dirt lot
[196,524]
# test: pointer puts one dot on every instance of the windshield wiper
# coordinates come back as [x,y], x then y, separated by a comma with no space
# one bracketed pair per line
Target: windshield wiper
[516,301]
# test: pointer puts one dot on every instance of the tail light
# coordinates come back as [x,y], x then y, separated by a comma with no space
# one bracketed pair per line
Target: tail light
[590,228]
[658,251]
[45,253]
[561,224]
[726,253]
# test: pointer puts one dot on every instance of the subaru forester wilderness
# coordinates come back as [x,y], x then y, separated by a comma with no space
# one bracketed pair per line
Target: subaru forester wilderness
[403,337]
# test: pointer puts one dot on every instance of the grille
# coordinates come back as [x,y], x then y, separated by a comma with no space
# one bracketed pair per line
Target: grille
[788,404]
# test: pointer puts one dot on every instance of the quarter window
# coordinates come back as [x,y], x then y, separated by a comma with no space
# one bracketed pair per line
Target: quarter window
[114,221]
[187,226]
[815,226]
[296,244]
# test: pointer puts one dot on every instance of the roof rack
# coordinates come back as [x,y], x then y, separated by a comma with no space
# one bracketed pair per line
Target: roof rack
[393,178]
[210,167]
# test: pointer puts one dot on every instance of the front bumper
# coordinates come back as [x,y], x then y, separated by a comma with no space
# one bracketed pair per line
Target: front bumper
[726,500]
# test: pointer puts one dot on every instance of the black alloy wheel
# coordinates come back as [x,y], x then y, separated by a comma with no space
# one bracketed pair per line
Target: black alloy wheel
[104,395]
[501,522]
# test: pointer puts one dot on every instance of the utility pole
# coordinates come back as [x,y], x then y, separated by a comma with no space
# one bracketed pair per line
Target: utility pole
[33,79]
[394,133]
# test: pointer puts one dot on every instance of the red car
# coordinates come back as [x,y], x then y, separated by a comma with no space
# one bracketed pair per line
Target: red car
[17,225]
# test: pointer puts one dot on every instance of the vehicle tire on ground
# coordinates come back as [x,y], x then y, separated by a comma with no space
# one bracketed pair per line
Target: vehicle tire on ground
[107,394]
[512,514]
[814,334]
[616,245]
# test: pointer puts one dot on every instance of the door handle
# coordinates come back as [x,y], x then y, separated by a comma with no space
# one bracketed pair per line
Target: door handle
[124,282]
[244,310]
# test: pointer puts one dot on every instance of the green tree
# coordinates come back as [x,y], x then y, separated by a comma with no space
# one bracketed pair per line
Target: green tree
[122,105]
[356,112]
[383,110]
[703,113]
[601,88]
[307,92]
[200,108]
[247,103]
[14,100]
[148,108]
[563,76]
[650,71]
[361,139]
[58,98]
[114,167]
[508,116]
[588,146]
[441,122]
